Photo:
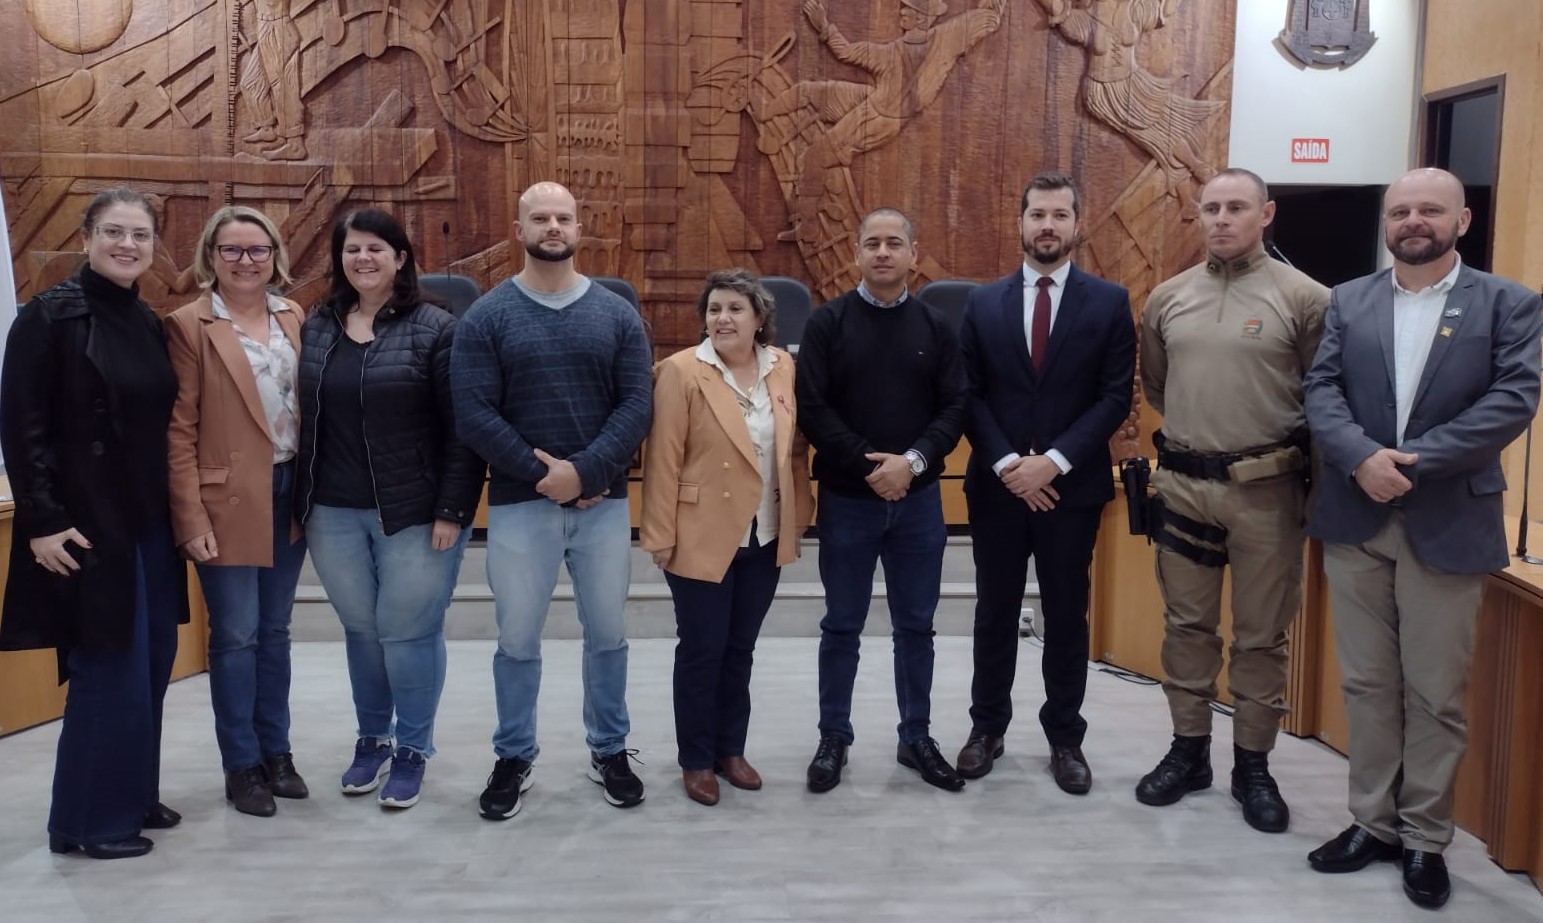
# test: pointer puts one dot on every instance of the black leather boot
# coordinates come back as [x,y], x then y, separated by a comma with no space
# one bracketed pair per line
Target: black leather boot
[1254,788]
[1186,768]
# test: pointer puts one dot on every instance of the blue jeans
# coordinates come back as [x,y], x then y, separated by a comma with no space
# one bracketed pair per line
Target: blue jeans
[249,614]
[390,592]
[108,773]
[526,543]
[856,533]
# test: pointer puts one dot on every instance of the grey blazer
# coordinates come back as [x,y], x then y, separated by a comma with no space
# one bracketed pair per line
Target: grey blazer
[1478,391]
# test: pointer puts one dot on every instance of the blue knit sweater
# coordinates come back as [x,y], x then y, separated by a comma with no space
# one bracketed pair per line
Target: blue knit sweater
[575,382]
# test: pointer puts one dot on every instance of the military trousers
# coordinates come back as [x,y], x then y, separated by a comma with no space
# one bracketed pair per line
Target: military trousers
[1263,545]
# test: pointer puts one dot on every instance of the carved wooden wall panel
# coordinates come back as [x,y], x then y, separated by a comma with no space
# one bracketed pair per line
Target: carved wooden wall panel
[696,133]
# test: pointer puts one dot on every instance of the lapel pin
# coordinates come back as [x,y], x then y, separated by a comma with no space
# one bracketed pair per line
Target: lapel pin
[1452,312]
[1446,331]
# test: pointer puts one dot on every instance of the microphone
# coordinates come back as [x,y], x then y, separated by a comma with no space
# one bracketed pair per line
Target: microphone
[1270,246]
[1521,531]
[445,230]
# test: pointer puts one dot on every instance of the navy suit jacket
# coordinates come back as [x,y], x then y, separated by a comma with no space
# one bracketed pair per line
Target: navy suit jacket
[1478,391]
[1074,405]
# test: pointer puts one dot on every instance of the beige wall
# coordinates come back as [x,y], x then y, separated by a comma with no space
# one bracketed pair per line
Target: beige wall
[1469,40]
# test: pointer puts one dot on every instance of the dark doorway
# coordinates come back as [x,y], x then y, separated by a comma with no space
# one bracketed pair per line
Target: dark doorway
[1461,132]
[1332,233]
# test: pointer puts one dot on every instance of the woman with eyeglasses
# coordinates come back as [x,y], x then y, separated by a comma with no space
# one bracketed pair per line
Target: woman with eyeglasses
[387,493]
[235,430]
[85,399]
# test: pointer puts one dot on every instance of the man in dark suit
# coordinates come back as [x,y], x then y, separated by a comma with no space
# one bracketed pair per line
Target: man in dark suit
[1426,372]
[1050,352]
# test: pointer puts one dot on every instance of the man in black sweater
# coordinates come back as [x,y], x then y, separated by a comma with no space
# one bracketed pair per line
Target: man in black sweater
[881,397]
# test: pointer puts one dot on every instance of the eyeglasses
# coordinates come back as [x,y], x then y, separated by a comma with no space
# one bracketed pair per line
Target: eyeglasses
[231,253]
[116,234]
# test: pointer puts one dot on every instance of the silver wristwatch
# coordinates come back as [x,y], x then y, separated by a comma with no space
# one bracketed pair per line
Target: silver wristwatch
[917,462]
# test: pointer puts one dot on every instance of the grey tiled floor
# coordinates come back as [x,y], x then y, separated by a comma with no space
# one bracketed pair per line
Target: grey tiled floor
[881,847]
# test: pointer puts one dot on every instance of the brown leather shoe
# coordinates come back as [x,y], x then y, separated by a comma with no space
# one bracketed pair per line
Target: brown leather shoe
[980,753]
[739,772]
[1070,770]
[701,785]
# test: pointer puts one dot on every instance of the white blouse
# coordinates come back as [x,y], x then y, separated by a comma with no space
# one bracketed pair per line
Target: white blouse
[757,408]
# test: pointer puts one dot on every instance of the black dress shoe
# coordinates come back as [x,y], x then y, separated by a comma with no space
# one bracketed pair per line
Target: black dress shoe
[1425,878]
[247,789]
[1354,849]
[923,756]
[1186,768]
[283,780]
[130,848]
[1254,788]
[825,768]
[161,817]
[1071,770]
[979,755]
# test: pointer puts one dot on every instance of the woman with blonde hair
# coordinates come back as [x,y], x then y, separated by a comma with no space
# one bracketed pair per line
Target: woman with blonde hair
[234,434]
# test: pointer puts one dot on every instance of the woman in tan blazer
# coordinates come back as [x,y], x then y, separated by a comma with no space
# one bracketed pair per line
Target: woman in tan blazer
[726,499]
[234,434]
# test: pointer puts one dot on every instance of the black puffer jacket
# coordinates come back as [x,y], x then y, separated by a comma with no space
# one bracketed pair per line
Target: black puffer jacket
[422,472]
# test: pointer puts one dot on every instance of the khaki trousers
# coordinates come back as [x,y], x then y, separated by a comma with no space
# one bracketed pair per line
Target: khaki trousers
[1405,634]
[1264,545]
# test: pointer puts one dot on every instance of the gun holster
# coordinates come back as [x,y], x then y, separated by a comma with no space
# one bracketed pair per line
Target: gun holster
[1135,473]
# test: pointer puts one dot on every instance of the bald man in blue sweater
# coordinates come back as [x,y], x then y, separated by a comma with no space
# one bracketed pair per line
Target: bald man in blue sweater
[552,384]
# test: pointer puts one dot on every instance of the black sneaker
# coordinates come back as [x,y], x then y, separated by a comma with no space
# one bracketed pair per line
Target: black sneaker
[614,774]
[509,779]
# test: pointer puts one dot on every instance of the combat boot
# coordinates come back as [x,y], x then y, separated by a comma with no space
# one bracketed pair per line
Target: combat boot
[1254,788]
[1186,768]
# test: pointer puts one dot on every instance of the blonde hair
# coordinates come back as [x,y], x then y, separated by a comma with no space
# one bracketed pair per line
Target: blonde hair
[203,256]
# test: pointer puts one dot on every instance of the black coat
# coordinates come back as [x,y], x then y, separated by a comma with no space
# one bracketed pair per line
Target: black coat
[422,471]
[68,442]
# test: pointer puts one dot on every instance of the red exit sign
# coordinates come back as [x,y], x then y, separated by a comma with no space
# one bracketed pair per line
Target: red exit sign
[1309,150]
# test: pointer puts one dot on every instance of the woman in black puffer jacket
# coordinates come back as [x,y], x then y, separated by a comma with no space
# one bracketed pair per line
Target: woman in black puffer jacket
[385,491]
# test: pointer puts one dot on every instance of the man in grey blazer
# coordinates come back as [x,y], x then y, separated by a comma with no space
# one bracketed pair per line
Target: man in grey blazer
[1426,372]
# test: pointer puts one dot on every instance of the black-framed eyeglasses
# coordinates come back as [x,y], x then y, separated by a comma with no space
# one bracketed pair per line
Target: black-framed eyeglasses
[231,253]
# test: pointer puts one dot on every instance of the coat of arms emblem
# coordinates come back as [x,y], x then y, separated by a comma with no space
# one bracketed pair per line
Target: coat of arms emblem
[1328,33]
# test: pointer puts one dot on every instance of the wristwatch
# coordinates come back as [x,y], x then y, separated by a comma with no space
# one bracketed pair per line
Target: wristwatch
[917,462]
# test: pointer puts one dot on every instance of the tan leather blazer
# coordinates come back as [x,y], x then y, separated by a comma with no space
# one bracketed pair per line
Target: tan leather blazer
[221,452]
[701,481]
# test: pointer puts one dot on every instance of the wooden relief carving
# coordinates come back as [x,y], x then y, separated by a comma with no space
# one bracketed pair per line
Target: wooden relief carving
[696,134]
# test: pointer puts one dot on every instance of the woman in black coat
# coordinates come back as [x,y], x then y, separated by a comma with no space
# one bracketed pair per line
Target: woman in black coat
[85,401]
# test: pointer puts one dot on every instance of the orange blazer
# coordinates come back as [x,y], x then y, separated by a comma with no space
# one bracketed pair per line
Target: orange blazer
[701,482]
[221,452]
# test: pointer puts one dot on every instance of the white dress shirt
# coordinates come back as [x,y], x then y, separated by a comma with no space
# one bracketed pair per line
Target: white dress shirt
[1416,317]
[757,408]
[1030,292]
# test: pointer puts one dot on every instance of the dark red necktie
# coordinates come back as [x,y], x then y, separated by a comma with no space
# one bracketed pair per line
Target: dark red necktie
[1039,331]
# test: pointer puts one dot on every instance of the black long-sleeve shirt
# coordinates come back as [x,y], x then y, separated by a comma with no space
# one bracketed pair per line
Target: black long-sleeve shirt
[874,379]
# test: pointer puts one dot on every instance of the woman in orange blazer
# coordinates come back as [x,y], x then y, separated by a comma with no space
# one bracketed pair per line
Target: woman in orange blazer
[234,434]
[725,501]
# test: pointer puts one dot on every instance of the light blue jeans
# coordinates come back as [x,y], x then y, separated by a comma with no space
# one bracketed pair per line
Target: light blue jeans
[526,543]
[390,592]
[249,614]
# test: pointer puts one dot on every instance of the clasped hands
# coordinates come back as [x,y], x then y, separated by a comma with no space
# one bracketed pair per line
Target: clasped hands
[562,483]
[891,476]
[1379,476]
[1028,478]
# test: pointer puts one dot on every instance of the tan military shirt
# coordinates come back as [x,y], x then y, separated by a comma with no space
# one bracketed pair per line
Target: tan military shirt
[1224,348]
